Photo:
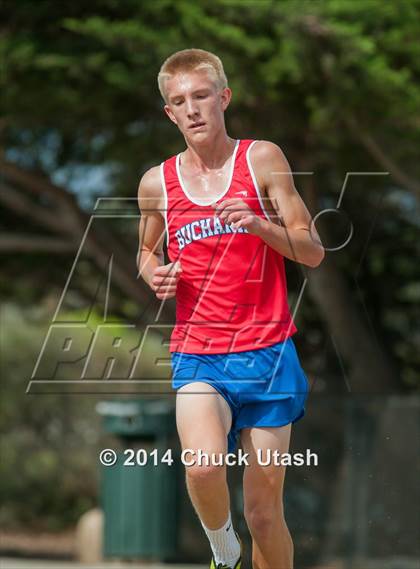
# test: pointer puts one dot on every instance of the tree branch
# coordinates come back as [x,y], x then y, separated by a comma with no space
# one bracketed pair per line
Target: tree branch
[68,219]
[35,182]
[34,244]
[20,204]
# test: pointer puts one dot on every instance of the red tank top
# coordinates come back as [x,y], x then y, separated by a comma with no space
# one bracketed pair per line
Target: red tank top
[232,294]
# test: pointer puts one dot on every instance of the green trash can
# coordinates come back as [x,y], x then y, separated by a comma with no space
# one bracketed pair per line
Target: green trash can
[139,492]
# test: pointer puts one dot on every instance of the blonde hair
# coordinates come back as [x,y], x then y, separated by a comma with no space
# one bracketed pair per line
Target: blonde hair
[192,60]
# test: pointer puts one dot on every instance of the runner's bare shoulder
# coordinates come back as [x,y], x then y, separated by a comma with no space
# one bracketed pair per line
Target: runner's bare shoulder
[150,192]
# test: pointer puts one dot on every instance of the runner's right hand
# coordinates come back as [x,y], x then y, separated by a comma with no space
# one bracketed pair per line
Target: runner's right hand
[165,279]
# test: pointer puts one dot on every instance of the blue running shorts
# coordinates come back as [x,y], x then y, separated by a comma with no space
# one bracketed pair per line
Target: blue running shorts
[264,388]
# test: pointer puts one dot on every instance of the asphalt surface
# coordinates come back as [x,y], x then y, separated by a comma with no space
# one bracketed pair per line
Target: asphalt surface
[7,563]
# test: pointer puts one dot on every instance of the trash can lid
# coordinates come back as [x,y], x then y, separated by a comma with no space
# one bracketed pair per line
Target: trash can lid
[133,408]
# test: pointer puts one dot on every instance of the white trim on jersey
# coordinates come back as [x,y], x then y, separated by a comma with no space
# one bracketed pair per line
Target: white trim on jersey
[188,195]
[162,178]
[254,179]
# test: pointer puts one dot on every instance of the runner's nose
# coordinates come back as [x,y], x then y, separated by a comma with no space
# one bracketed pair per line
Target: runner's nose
[192,111]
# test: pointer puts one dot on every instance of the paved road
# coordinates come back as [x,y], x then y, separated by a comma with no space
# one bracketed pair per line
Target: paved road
[7,563]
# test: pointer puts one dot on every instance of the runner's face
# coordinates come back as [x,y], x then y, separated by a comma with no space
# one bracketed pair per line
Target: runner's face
[195,104]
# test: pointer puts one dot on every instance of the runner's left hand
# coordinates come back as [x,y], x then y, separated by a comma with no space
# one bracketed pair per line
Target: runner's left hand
[237,213]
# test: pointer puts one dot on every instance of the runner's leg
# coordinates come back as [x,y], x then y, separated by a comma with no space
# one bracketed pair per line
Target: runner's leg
[203,421]
[272,545]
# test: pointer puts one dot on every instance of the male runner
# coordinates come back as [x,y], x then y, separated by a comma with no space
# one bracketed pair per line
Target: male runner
[230,213]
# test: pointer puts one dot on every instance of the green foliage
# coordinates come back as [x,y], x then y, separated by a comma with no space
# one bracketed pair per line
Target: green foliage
[47,477]
[49,444]
[91,70]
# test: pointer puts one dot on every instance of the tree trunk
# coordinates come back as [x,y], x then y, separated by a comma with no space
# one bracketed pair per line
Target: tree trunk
[369,367]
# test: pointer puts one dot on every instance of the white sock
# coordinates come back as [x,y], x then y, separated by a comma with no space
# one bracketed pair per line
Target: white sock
[224,543]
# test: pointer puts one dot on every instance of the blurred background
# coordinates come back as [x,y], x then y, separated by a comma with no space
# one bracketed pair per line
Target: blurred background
[336,85]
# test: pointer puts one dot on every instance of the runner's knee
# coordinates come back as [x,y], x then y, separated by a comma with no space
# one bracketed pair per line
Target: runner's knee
[205,474]
[262,518]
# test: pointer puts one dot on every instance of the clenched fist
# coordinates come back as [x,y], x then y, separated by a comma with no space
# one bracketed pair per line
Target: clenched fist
[165,279]
[238,213]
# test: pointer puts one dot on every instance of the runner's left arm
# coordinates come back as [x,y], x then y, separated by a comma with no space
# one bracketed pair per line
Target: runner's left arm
[289,229]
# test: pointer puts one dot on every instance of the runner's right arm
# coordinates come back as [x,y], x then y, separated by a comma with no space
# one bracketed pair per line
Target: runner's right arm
[161,278]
